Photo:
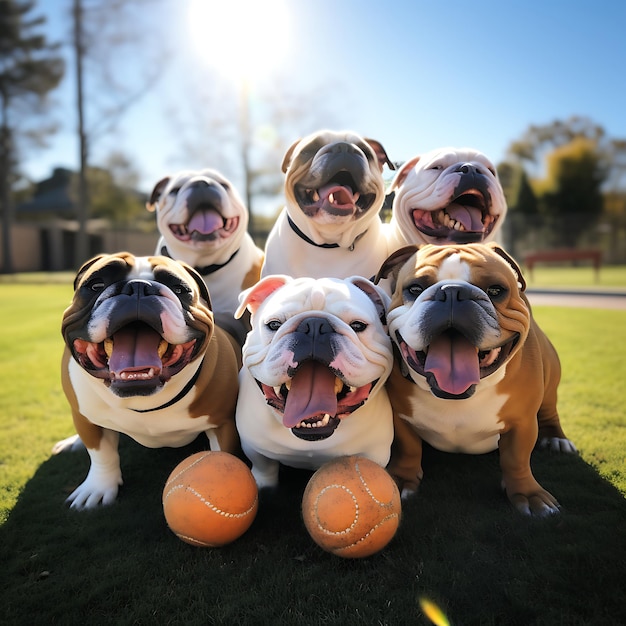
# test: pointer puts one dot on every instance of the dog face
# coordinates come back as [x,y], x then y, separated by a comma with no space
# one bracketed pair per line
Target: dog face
[135,322]
[333,182]
[318,349]
[456,315]
[198,213]
[448,196]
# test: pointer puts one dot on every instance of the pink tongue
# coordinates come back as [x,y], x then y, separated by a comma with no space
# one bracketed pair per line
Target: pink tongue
[469,216]
[342,197]
[205,222]
[135,348]
[453,360]
[312,393]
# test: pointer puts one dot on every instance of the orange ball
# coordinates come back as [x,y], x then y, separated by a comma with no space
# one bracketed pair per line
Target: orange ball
[210,499]
[351,507]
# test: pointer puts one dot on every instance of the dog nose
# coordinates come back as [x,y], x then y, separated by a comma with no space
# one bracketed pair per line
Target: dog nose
[467,168]
[139,288]
[314,327]
[451,292]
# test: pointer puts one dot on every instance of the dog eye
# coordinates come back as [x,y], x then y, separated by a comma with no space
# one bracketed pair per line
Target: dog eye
[496,292]
[226,186]
[96,284]
[412,291]
[358,326]
[273,325]
[174,190]
[181,289]
[436,167]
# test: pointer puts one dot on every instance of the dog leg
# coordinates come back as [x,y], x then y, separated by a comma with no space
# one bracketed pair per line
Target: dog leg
[104,477]
[523,491]
[264,469]
[405,465]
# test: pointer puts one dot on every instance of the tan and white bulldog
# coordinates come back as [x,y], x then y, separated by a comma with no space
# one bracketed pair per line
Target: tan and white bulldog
[204,222]
[330,226]
[313,375]
[448,195]
[474,372]
[143,357]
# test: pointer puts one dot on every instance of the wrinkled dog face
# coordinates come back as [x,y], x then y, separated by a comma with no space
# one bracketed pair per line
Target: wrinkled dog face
[135,322]
[334,177]
[318,349]
[457,317]
[448,196]
[201,210]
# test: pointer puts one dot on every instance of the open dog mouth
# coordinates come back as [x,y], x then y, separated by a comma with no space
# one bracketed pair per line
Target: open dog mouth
[314,400]
[205,225]
[452,365]
[339,196]
[465,220]
[135,360]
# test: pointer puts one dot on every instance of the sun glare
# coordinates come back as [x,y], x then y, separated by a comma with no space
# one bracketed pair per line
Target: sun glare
[243,39]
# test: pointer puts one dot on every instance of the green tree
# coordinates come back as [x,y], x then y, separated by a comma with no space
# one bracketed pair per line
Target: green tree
[571,192]
[30,69]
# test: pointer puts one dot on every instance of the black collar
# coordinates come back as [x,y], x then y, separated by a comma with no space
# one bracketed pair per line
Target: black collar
[183,392]
[300,234]
[206,269]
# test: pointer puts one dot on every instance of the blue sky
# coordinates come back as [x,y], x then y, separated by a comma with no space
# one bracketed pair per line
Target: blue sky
[414,74]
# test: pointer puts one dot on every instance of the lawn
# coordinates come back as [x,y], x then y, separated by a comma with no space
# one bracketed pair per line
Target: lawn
[459,543]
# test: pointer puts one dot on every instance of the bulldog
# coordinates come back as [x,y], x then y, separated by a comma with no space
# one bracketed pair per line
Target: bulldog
[448,195]
[203,222]
[314,368]
[330,226]
[143,357]
[473,372]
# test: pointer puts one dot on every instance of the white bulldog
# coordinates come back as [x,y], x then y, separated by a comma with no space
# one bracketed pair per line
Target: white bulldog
[204,222]
[314,369]
[448,195]
[331,225]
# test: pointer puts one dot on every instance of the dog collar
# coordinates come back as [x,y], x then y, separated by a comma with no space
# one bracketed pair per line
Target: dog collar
[300,234]
[183,392]
[205,270]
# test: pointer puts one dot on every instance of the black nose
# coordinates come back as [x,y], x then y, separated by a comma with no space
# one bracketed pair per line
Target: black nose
[452,292]
[313,339]
[140,288]
[467,168]
[314,327]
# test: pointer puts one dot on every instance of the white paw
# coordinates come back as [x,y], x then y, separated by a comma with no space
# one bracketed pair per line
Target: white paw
[265,479]
[98,488]
[71,444]
[557,444]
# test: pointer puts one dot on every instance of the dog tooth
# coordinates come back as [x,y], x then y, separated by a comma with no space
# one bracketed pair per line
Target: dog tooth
[331,197]
[162,349]
[338,385]
[108,346]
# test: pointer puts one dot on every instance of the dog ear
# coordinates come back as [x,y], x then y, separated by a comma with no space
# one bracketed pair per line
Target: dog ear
[204,290]
[156,192]
[403,172]
[521,281]
[255,296]
[392,264]
[380,299]
[287,158]
[381,154]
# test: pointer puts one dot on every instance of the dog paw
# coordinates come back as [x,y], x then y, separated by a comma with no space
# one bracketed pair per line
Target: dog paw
[539,504]
[71,444]
[265,480]
[95,491]
[557,444]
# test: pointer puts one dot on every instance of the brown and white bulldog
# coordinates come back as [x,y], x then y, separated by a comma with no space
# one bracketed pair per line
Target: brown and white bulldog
[330,225]
[204,222]
[143,357]
[473,371]
[314,368]
[448,195]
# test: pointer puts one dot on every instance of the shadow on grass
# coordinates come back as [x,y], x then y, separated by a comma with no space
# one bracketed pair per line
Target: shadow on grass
[459,544]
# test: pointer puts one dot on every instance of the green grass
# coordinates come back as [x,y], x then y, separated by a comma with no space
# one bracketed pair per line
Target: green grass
[583,277]
[459,543]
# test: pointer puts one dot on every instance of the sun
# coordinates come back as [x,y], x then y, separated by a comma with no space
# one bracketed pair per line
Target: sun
[243,39]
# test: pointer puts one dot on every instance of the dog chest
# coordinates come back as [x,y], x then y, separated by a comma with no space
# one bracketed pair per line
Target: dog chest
[470,426]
